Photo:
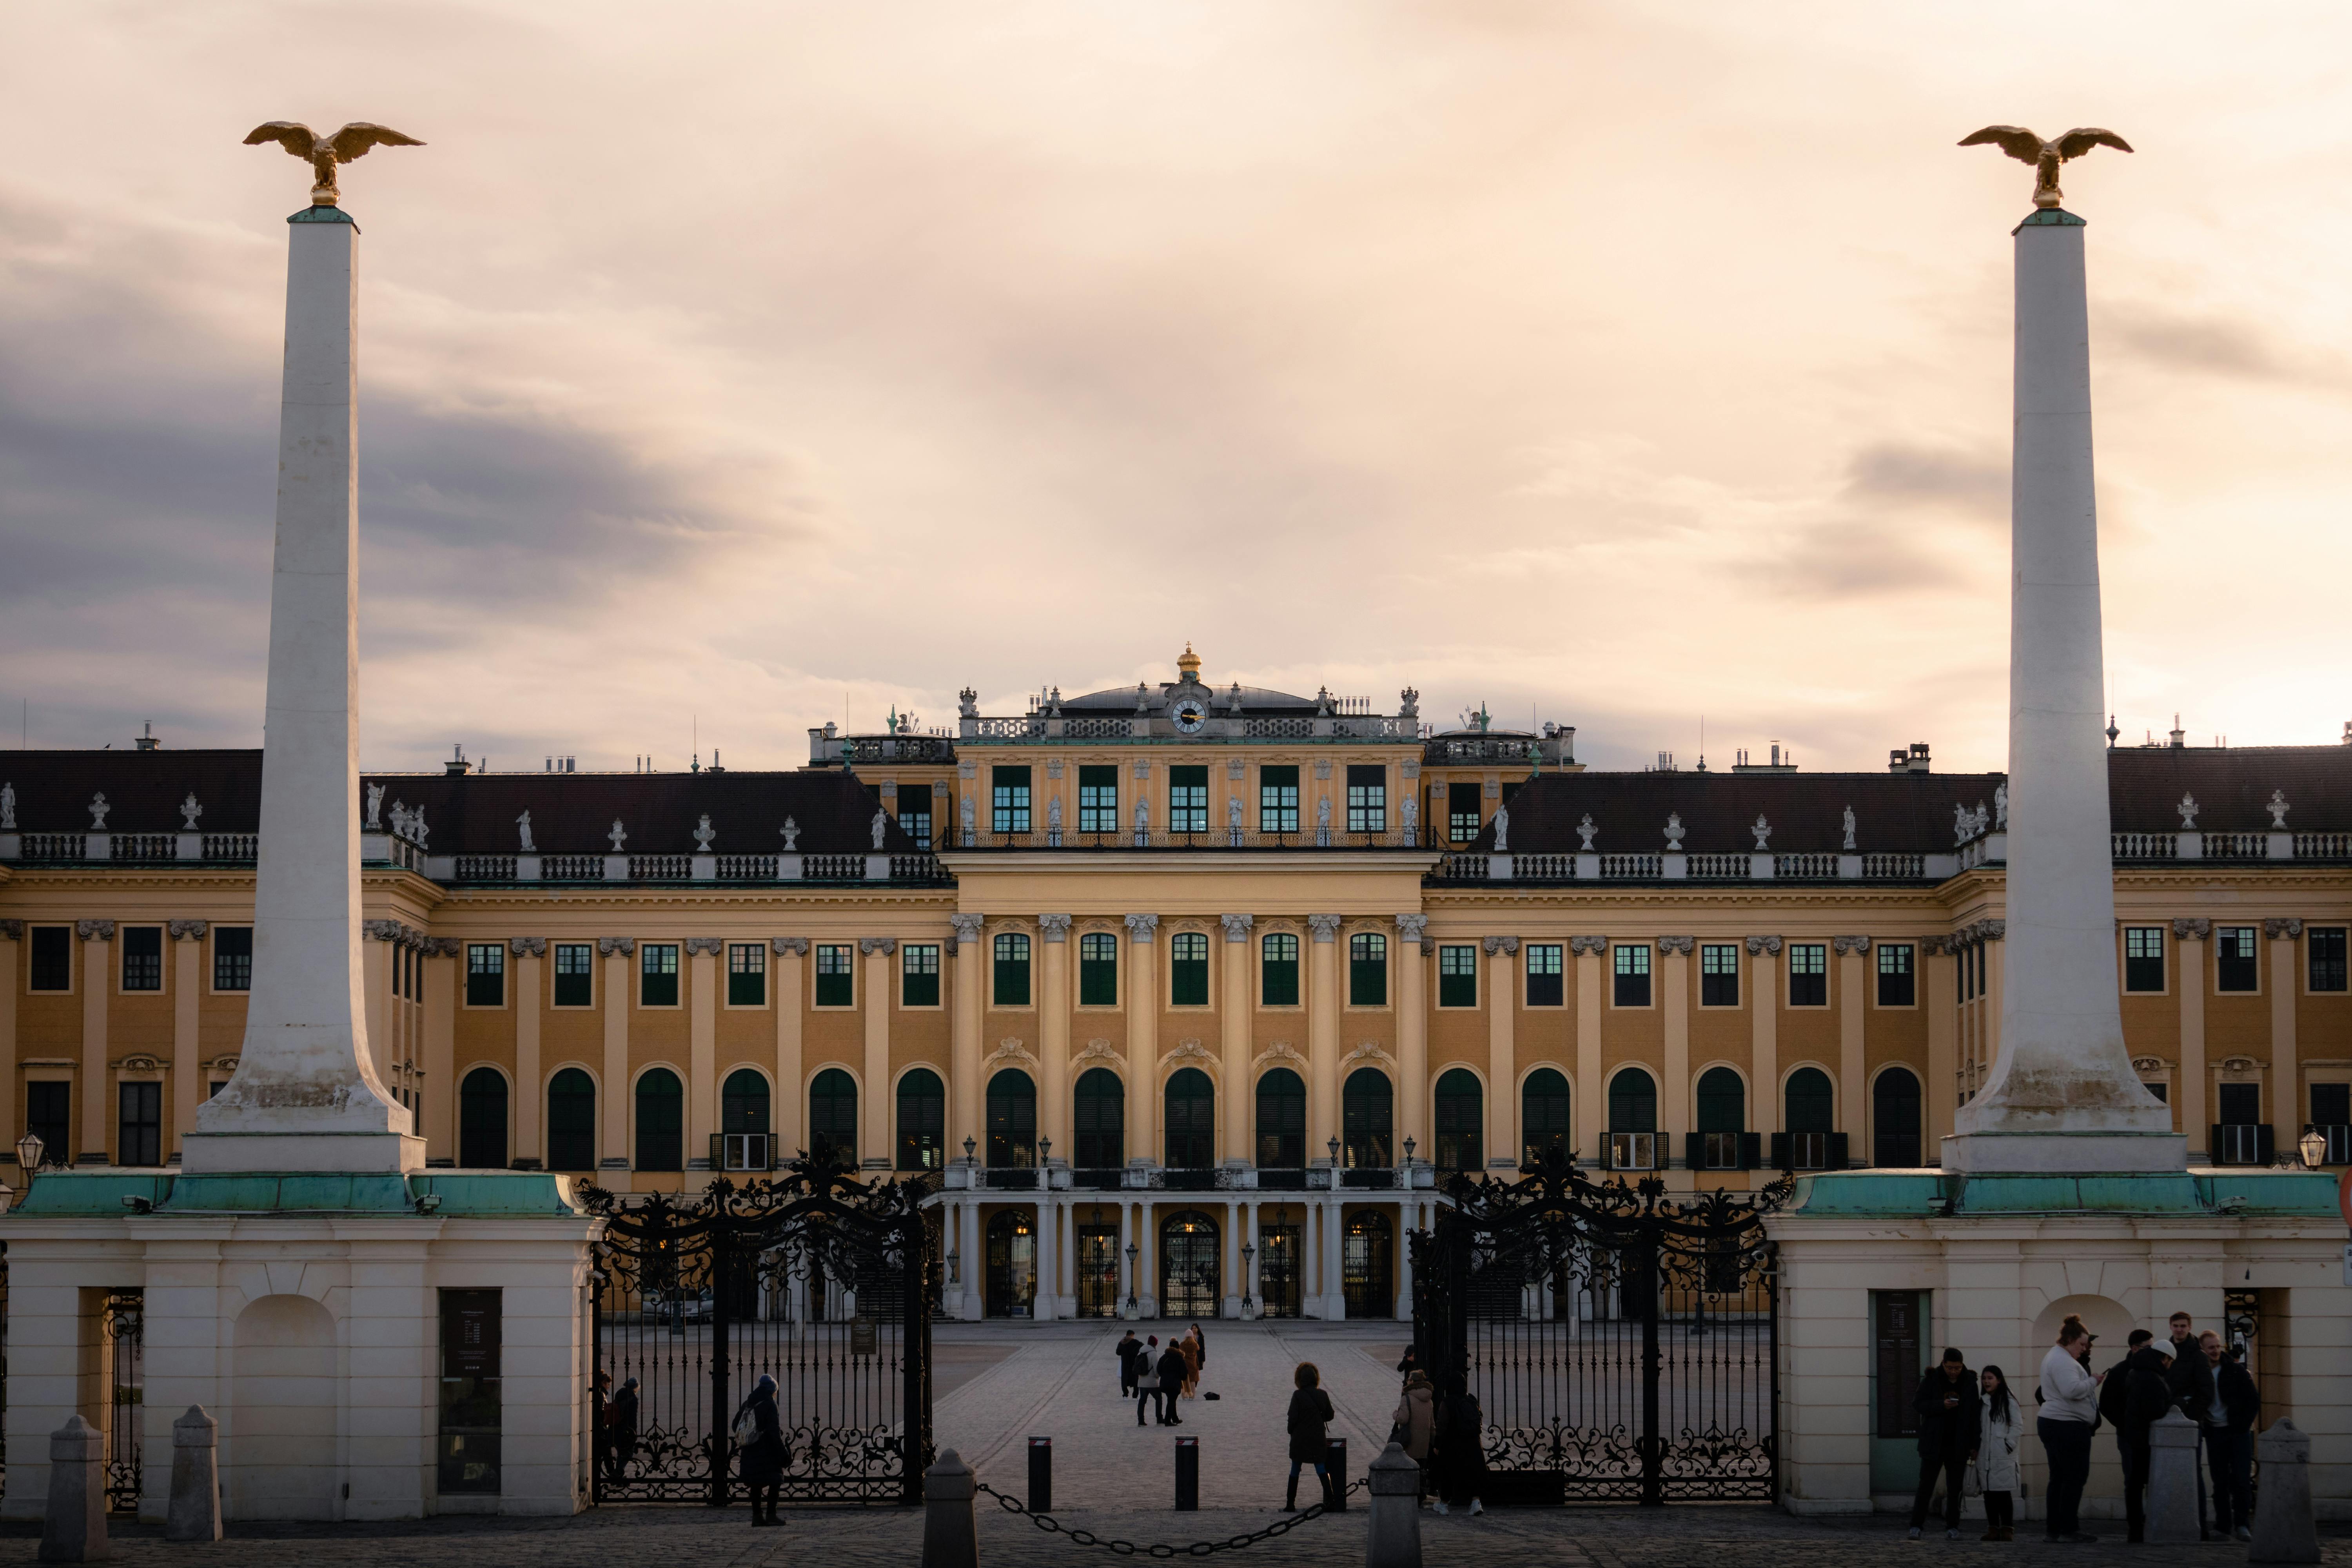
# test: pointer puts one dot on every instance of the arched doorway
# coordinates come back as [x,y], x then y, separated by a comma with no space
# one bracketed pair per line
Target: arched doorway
[1722,1142]
[1012,1263]
[1189,1275]
[572,1122]
[1282,1125]
[482,1121]
[1192,1120]
[1895,1119]
[1461,1122]
[1368,1120]
[833,1117]
[744,1143]
[661,1122]
[1279,1240]
[1544,1119]
[1100,1121]
[1096,1263]
[922,1121]
[282,1414]
[1811,1144]
[1368,1265]
[1632,1120]
[1011,1122]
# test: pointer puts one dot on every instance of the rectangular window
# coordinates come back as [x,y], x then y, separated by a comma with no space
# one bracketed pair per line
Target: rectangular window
[470,1438]
[1897,985]
[915,813]
[1718,975]
[1188,799]
[1010,811]
[1098,798]
[835,982]
[1278,971]
[1632,966]
[1546,987]
[2240,1104]
[1277,798]
[2331,1118]
[48,1116]
[1465,810]
[51,967]
[1011,969]
[1367,797]
[1368,969]
[576,974]
[2326,956]
[1809,975]
[2233,959]
[657,975]
[918,974]
[1098,970]
[139,1130]
[143,958]
[747,974]
[2143,958]
[232,958]
[1187,968]
[1457,976]
[486,975]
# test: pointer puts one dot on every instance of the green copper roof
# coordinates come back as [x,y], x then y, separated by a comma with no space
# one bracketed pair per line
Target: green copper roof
[101,1190]
[329,215]
[1928,1194]
[2052,218]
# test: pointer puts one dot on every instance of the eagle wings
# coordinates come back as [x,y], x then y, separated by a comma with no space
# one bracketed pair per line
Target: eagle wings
[2045,156]
[324,153]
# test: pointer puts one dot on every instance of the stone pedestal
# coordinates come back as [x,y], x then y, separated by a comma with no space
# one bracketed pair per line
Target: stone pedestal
[73,1526]
[1392,1534]
[950,1535]
[2283,1514]
[194,1512]
[2173,1481]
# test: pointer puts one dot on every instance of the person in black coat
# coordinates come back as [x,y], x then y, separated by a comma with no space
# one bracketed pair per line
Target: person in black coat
[1950,1407]
[1310,1421]
[2191,1381]
[1126,1351]
[2147,1375]
[2230,1448]
[1172,1372]
[621,1431]
[1461,1447]
[764,1453]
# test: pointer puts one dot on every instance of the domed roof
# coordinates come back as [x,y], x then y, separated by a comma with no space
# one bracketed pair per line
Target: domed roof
[1254,698]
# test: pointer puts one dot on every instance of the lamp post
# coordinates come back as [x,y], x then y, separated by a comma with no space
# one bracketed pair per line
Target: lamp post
[2313,1148]
[28,1154]
[955,1275]
[1249,1280]
[969,1144]
[1334,1147]
[1132,1250]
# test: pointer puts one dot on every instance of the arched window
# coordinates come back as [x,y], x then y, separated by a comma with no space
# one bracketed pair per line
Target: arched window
[1368,1120]
[1811,1143]
[922,1121]
[1719,1144]
[572,1122]
[743,1102]
[1100,1121]
[1460,1121]
[1281,1120]
[1011,1122]
[1192,1120]
[833,1117]
[1895,1119]
[661,1122]
[1544,1120]
[1632,1120]
[482,1121]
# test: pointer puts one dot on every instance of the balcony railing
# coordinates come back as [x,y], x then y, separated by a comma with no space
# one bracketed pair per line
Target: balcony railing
[2144,846]
[1805,867]
[486,867]
[660,867]
[1719,866]
[1632,867]
[1894,867]
[1307,838]
[56,846]
[571,868]
[2237,845]
[747,868]
[1282,1178]
[2322,846]
[247,845]
[145,847]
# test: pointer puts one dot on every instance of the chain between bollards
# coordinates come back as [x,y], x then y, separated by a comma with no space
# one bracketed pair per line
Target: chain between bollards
[1162,1549]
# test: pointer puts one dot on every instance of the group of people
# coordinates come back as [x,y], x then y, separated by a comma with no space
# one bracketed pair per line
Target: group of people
[1445,1436]
[1158,1376]
[1973,1419]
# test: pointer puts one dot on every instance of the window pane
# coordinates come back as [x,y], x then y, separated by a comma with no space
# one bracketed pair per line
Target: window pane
[1718,976]
[486,975]
[1281,1120]
[2233,959]
[1278,971]
[833,1117]
[1809,975]
[1895,986]
[1011,1110]
[1188,799]
[1010,787]
[1545,982]
[1098,798]
[1188,969]
[923,1120]
[1368,969]
[1366,1106]
[1457,976]
[232,958]
[1464,812]
[915,813]
[1011,969]
[142,959]
[1722,1102]
[1459,1105]
[1099,1120]
[51,968]
[2326,944]
[138,1126]
[1810,1101]
[1632,1102]
[2143,958]
[1192,1113]
[1544,1120]
[570,1122]
[1632,977]
[835,977]
[1098,970]
[1277,798]
[482,1121]
[1367,797]
[747,974]
[918,979]
[48,1115]
[657,975]
[575,971]
[661,1123]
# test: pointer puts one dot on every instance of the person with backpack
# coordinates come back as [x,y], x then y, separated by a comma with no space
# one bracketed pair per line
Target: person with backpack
[1951,1423]
[2147,1379]
[1997,1456]
[761,1452]
[2069,1395]
[1412,1426]
[1146,1375]
[2231,1448]
[1460,1449]
[1309,1423]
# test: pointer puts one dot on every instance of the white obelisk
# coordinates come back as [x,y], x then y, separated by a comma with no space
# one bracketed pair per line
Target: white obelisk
[305,1095]
[2063,1096]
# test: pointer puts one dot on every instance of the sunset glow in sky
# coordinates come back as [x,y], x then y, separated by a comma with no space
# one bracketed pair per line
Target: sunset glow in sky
[731,369]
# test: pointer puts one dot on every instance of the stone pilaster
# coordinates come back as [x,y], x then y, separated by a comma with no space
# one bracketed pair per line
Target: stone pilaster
[788,958]
[1143,1037]
[970,979]
[1054,1004]
[98,981]
[1413,1115]
[1235,1026]
[1502,1051]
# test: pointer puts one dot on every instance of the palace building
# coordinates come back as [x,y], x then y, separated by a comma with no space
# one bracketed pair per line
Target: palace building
[1187,998]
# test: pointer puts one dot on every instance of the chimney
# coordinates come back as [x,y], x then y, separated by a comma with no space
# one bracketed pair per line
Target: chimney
[148,742]
[456,764]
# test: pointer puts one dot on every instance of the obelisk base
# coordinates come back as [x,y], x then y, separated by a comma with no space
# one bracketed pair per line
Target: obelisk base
[2066,1153]
[354,1154]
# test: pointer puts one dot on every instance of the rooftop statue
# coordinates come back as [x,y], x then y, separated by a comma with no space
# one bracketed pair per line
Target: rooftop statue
[2045,156]
[324,153]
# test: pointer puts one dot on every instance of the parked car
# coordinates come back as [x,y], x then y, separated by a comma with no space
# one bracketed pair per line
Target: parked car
[681,1306]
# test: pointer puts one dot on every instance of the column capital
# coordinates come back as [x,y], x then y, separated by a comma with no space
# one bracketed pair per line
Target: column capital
[870,945]
[792,946]
[440,947]
[2283,930]
[1053,928]
[1681,944]
[2193,928]
[1771,944]
[1412,930]
[1143,928]
[530,946]
[617,946]
[1237,927]
[189,930]
[1599,944]
[95,931]
[695,944]
[1845,944]
[12,931]
[1326,927]
[967,928]
[1494,944]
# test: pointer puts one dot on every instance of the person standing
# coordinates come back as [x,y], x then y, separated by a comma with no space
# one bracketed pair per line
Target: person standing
[1311,1419]
[1171,1383]
[2147,1376]
[1200,1343]
[761,1455]
[1413,1424]
[2069,1409]
[1146,1375]
[1997,1456]
[2230,1448]
[1125,1350]
[621,1432]
[1460,1445]
[1190,1346]
[2191,1383]
[1951,1423]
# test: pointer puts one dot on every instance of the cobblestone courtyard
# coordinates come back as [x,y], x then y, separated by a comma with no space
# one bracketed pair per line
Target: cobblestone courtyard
[998,1386]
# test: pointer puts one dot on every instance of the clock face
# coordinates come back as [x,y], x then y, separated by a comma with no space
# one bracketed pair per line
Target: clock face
[1189,715]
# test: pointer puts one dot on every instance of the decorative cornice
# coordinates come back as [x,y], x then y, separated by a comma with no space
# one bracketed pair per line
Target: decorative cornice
[1237,927]
[1190,1053]
[12,931]
[1281,1051]
[1580,946]
[1009,1051]
[1143,928]
[1936,944]
[1098,1053]
[1756,945]
[381,930]
[139,1062]
[788,946]
[2191,927]
[189,930]
[1412,930]
[710,944]
[95,931]
[1325,927]
[2148,1064]
[967,928]
[1053,928]
[1494,944]
[1367,1051]
[624,946]
[441,947]
[1845,944]
[1681,944]
[2288,926]
[870,945]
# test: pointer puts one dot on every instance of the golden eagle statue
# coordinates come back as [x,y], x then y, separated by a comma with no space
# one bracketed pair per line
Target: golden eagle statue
[2045,156]
[324,152]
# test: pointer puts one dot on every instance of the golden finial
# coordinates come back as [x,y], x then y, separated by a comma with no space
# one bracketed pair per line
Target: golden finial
[2045,156]
[1191,663]
[323,154]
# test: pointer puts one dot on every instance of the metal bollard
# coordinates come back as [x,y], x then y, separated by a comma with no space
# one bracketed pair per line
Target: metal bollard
[1041,1475]
[1188,1475]
[1335,1460]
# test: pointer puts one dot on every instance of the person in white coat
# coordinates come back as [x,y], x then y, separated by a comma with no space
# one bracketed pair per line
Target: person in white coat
[1996,1461]
[2070,1404]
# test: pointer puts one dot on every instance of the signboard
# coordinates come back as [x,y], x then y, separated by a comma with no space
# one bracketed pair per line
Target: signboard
[861,1335]
[469,1333]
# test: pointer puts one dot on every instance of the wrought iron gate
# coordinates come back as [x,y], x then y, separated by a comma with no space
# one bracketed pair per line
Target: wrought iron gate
[1622,1347]
[126,1348]
[819,1280]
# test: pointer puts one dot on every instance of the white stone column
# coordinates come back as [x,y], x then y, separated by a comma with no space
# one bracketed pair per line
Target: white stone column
[1054,1004]
[1229,1263]
[1251,1264]
[1764,1035]
[1587,1105]
[1322,1037]
[612,1095]
[873,1098]
[702,982]
[2061,1066]
[975,1262]
[305,1095]
[1048,1291]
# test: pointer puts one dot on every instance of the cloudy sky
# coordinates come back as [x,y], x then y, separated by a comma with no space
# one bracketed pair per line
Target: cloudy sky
[727,370]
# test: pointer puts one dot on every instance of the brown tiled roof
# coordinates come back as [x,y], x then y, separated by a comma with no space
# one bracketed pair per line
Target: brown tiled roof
[466,813]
